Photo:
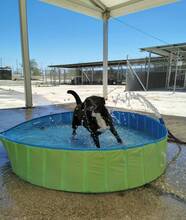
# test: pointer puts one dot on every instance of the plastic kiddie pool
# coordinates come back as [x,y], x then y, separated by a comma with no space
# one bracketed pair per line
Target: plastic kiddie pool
[87,169]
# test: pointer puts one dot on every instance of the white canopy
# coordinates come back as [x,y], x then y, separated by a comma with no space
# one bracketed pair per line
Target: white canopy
[95,8]
[101,9]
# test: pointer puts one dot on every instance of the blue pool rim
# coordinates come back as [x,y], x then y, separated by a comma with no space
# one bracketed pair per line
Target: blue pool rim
[162,128]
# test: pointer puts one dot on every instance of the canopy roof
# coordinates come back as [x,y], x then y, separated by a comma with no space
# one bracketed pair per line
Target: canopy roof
[96,8]
[167,50]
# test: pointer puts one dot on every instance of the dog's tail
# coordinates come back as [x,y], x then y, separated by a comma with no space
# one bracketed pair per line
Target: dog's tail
[76,96]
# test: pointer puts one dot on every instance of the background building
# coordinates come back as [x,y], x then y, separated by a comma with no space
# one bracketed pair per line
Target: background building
[164,68]
[5,73]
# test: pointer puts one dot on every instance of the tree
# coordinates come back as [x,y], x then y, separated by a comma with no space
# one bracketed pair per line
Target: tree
[35,71]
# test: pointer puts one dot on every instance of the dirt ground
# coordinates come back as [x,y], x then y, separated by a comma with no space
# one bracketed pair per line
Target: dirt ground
[164,198]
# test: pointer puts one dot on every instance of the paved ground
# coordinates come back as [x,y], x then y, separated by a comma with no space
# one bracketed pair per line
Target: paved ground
[163,199]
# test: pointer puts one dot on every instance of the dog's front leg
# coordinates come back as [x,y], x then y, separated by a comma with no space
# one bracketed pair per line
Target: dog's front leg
[74,132]
[74,127]
[96,139]
[115,133]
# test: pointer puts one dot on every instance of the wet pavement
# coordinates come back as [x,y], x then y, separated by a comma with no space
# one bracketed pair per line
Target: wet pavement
[164,198]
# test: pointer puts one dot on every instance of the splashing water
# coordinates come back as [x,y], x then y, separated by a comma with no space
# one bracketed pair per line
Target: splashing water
[127,97]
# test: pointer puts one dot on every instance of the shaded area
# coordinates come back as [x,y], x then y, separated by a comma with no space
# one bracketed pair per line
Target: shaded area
[162,199]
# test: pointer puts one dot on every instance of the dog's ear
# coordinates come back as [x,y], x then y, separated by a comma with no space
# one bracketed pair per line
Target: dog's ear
[87,105]
[103,100]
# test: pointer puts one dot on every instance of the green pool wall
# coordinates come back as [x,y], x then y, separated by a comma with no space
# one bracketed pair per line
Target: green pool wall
[87,171]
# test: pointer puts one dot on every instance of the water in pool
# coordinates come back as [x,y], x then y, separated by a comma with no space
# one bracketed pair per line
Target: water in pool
[59,135]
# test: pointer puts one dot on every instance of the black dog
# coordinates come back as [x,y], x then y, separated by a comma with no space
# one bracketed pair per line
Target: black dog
[93,115]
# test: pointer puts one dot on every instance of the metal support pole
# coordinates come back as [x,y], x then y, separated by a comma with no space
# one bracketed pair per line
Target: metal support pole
[176,71]
[54,76]
[50,77]
[64,76]
[92,78]
[46,76]
[105,56]
[117,74]
[148,71]
[59,75]
[170,70]
[185,80]
[81,76]
[43,76]
[121,74]
[25,53]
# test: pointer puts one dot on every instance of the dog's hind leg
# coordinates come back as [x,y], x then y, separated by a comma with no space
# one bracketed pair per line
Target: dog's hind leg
[115,133]
[96,139]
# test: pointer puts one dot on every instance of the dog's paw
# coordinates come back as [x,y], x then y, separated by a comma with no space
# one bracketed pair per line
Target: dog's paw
[119,141]
[74,137]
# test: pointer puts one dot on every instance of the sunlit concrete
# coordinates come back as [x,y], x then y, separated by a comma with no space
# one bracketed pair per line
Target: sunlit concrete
[12,95]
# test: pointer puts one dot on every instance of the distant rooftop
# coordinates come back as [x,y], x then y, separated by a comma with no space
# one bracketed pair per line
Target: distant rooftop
[5,68]
[110,63]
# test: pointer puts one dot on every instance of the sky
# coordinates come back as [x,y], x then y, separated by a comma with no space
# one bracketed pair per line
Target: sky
[60,36]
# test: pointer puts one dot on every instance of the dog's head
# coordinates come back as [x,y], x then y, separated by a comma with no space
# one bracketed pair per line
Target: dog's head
[94,103]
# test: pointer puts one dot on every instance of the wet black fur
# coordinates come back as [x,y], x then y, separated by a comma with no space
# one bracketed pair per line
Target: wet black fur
[83,116]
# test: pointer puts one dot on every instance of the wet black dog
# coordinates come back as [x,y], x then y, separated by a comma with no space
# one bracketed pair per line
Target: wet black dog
[94,116]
